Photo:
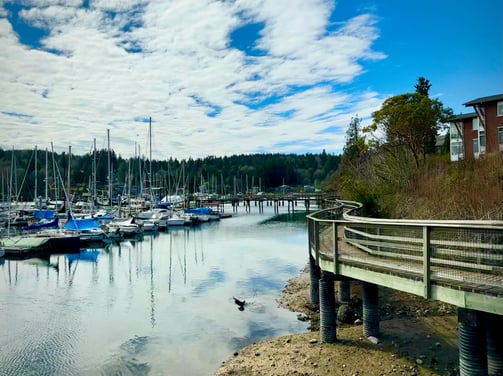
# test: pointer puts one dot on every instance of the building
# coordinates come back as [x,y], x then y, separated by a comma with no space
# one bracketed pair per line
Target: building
[478,132]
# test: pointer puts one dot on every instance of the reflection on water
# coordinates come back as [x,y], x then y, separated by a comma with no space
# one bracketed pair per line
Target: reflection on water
[160,305]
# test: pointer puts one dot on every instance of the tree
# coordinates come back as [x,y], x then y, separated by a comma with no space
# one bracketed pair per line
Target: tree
[355,143]
[412,120]
[423,86]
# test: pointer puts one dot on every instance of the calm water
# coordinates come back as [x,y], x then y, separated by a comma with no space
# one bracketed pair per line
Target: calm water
[159,306]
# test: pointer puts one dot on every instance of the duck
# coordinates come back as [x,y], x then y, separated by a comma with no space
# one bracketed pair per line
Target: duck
[240,303]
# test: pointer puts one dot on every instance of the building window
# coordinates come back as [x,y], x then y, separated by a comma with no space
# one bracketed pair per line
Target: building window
[476,147]
[500,137]
[482,141]
[475,124]
[454,133]
[499,109]
[456,152]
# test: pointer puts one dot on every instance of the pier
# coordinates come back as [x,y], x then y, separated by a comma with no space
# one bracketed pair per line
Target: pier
[292,201]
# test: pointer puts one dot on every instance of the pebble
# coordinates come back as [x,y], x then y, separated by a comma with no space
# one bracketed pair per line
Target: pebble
[374,340]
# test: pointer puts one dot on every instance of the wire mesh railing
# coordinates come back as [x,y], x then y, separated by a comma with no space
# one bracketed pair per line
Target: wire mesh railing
[461,255]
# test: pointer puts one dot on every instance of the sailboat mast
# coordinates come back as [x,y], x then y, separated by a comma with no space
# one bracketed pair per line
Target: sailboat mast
[68,178]
[94,175]
[56,189]
[36,178]
[109,171]
[46,175]
[150,161]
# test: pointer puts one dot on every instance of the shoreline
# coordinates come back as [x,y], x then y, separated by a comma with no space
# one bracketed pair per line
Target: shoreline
[418,337]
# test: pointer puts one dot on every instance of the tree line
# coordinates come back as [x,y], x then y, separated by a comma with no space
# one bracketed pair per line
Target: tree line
[222,175]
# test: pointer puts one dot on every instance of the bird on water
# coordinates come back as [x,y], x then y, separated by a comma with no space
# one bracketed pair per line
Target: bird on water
[240,303]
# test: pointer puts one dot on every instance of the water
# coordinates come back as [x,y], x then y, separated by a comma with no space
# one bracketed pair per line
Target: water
[160,306]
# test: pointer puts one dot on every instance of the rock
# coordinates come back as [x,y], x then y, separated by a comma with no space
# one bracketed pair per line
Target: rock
[303,317]
[313,341]
[345,314]
[374,340]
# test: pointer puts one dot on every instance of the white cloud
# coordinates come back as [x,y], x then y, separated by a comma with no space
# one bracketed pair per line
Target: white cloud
[183,71]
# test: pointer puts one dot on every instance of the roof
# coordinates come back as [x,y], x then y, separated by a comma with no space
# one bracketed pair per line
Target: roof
[482,100]
[463,116]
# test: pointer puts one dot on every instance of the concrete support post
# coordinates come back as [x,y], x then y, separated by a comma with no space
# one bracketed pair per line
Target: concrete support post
[315,275]
[370,310]
[328,317]
[472,343]
[494,341]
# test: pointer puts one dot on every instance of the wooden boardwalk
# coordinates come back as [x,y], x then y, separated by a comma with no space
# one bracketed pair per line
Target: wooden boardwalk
[460,263]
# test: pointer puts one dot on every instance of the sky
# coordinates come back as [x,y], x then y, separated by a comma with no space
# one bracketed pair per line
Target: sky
[196,78]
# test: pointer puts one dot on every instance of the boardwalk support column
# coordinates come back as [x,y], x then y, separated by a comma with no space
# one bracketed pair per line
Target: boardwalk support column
[328,323]
[370,310]
[494,341]
[472,344]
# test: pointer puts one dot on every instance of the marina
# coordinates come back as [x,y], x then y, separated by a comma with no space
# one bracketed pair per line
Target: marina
[161,303]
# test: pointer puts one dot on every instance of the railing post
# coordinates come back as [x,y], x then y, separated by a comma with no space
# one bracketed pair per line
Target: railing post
[314,275]
[317,242]
[426,261]
[314,269]
[336,247]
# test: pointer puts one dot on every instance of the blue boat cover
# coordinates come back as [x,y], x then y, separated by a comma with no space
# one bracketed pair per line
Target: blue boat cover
[201,211]
[81,223]
[43,214]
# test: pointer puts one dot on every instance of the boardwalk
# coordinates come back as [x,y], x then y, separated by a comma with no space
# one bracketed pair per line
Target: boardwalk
[457,262]
[460,263]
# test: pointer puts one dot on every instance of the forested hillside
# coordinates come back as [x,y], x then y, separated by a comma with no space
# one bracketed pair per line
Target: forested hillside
[222,175]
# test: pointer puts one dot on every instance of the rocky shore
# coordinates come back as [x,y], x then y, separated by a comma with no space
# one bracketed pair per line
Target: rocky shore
[418,337]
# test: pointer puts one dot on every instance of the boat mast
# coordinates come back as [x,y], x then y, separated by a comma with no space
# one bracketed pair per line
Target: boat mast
[94,175]
[46,175]
[150,161]
[140,160]
[109,172]
[68,177]
[36,179]
[10,191]
[56,192]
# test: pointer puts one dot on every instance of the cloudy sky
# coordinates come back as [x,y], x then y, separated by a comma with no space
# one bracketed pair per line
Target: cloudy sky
[224,77]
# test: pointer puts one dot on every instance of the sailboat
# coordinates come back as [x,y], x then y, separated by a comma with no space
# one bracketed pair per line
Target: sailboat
[36,243]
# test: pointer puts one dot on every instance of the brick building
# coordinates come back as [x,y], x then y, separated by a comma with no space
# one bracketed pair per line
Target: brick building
[478,132]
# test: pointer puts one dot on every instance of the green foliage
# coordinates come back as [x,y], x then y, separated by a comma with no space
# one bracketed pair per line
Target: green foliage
[423,86]
[412,120]
[219,174]
[363,192]
[379,170]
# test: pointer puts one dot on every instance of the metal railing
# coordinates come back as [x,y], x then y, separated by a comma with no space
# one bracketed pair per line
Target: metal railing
[459,262]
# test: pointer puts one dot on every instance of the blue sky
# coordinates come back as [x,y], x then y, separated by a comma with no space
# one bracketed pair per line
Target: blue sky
[228,77]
